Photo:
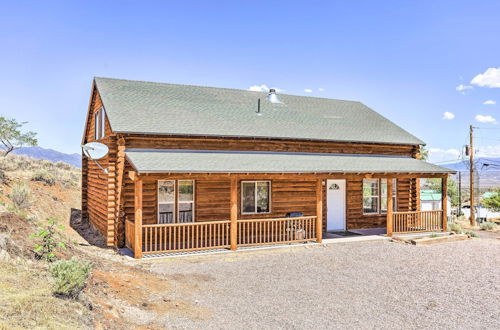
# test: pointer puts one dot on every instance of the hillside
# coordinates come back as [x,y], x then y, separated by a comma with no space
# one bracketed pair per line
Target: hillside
[51,155]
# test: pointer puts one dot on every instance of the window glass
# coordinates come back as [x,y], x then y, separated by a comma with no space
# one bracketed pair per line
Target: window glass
[186,192]
[166,191]
[370,195]
[103,122]
[96,125]
[262,197]
[248,197]
[383,195]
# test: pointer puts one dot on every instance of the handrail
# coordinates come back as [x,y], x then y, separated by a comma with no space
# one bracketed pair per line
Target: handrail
[277,219]
[417,221]
[185,223]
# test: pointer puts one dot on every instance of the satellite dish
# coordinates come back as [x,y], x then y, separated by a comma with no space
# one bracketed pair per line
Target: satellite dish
[95,150]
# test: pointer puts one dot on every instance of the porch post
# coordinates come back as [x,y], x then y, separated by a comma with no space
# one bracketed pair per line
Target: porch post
[444,200]
[138,217]
[319,211]
[234,213]
[390,207]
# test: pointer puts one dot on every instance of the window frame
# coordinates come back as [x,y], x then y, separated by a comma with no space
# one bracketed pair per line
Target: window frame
[179,201]
[379,197]
[371,196]
[174,208]
[99,124]
[255,192]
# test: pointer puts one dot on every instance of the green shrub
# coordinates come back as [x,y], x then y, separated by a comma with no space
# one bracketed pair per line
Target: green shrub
[51,240]
[455,227]
[43,175]
[488,226]
[471,234]
[434,235]
[69,277]
[20,196]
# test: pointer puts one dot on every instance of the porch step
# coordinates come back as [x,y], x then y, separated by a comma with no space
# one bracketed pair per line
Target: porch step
[440,239]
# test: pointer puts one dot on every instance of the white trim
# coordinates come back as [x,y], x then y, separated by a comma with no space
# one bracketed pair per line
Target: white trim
[379,197]
[255,192]
[371,196]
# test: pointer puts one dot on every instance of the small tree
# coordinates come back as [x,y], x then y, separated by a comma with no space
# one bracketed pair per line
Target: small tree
[424,153]
[493,202]
[50,240]
[11,136]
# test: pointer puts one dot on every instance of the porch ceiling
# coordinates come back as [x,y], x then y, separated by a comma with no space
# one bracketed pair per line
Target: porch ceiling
[175,161]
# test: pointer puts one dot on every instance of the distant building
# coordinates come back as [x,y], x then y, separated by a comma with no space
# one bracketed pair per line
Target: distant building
[431,200]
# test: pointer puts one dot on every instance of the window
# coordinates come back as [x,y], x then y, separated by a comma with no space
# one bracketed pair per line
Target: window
[370,196]
[175,201]
[166,201]
[99,124]
[255,197]
[186,200]
[375,195]
[383,195]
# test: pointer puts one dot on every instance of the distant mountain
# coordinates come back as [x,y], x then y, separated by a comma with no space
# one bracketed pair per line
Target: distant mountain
[489,176]
[50,154]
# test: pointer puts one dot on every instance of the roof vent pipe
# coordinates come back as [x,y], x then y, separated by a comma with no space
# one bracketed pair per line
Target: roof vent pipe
[272,97]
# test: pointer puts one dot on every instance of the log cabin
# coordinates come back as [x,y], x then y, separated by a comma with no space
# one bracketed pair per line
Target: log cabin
[193,168]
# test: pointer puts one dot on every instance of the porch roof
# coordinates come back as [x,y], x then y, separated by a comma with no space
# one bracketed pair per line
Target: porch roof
[186,161]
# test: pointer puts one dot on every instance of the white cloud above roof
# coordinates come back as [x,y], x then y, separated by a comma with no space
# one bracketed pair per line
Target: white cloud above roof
[463,88]
[263,88]
[448,115]
[321,89]
[490,78]
[485,119]
[491,102]
[308,90]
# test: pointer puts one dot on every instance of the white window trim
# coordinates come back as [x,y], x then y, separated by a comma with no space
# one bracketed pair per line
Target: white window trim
[96,125]
[255,205]
[99,124]
[379,197]
[179,201]
[159,203]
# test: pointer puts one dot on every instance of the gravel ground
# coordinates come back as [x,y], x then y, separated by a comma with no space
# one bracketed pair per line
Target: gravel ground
[368,285]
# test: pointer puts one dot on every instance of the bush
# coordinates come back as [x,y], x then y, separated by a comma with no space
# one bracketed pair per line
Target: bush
[471,234]
[20,196]
[69,277]
[455,227]
[63,166]
[488,226]
[44,176]
[50,240]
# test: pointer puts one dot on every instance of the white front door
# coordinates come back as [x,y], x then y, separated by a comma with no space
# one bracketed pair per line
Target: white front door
[335,201]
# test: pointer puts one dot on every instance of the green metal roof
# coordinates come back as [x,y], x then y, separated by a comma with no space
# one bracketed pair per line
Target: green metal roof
[430,195]
[157,108]
[166,161]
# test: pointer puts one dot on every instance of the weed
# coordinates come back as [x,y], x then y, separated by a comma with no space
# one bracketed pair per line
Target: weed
[20,196]
[70,276]
[50,240]
[433,235]
[455,227]
[43,175]
[471,234]
[488,226]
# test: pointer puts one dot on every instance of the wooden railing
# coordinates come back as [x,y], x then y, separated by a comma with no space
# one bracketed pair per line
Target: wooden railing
[417,221]
[129,234]
[275,231]
[192,236]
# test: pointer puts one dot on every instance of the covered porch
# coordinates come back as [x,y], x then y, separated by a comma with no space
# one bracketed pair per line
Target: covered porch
[296,183]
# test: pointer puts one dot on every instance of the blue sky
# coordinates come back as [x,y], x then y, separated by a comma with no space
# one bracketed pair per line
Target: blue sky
[405,59]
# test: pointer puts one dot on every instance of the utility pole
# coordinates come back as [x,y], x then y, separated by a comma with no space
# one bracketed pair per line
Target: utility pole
[459,193]
[471,168]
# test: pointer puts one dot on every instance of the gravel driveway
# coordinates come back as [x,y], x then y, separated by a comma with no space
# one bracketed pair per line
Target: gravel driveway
[365,285]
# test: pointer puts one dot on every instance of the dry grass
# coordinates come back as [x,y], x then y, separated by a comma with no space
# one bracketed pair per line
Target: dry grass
[26,300]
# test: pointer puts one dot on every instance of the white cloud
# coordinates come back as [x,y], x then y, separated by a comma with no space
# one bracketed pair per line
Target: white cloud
[308,90]
[490,78]
[443,155]
[321,89]
[485,119]
[448,115]
[488,151]
[263,88]
[463,88]
[490,102]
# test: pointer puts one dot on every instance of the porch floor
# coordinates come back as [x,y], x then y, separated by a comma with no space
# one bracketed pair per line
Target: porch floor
[355,232]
